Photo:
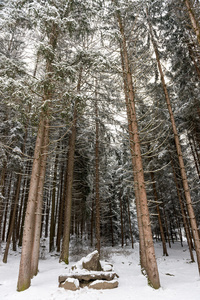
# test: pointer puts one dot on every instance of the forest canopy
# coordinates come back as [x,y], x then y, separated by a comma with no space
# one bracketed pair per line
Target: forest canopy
[100,127]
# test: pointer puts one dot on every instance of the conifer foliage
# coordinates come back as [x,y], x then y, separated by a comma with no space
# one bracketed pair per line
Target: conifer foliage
[99,131]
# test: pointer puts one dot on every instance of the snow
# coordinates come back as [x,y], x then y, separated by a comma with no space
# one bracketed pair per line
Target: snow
[74,281]
[101,281]
[179,278]
[89,256]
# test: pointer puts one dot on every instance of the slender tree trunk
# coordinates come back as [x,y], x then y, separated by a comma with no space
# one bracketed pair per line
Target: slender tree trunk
[52,224]
[159,216]
[137,200]
[122,220]
[97,198]
[2,187]
[195,143]
[151,264]
[69,184]
[194,21]
[166,226]
[23,203]
[129,220]
[194,156]
[24,212]
[24,278]
[111,224]
[192,217]
[15,203]
[20,211]
[92,222]
[183,213]
[47,210]
[192,55]
[6,209]
[61,209]
[38,211]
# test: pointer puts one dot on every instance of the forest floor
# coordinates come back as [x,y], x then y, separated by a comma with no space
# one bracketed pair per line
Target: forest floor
[179,278]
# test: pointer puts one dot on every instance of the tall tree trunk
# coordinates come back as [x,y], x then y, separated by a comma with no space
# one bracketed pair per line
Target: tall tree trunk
[47,210]
[24,211]
[23,197]
[92,222]
[25,270]
[151,264]
[15,203]
[183,213]
[159,216]
[137,200]
[2,188]
[192,217]
[111,224]
[122,220]
[38,211]
[69,184]
[166,226]
[61,209]
[194,156]
[52,224]
[97,198]
[193,57]
[24,278]
[194,21]
[129,220]
[6,208]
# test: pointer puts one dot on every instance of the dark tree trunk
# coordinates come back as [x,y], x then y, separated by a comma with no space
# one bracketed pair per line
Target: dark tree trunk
[61,210]
[92,223]
[111,224]
[2,188]
[185,224]
[52,223]
[159,215]
[97,196]
[6,209]
[130,226]
[122,220]
[15,203]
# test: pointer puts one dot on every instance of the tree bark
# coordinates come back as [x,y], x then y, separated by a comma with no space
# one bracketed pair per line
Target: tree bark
[183,213]
[192,217]
[11,229]
[24,278]
[111,224]
[69,184]
[97,197]
[159,216]
[137,200]
[61,209]
[130,227]
[151,264]
[6,208]
[194,21]
[122,220]
[39,203]
[166,226]
[194,156]
[2,187]
[92,223]
[52,223]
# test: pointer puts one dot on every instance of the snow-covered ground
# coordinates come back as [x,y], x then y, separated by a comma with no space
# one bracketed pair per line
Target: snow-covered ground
[179,278]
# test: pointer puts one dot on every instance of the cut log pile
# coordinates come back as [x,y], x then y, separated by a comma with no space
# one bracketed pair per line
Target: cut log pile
[89,272]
